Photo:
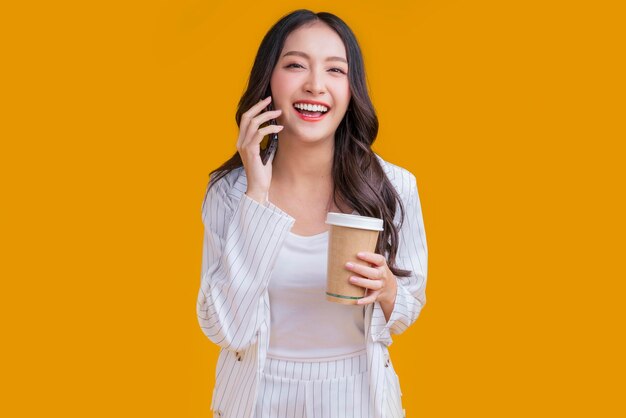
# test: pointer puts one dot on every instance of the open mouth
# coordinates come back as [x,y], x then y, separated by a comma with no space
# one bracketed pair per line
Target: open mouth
[310,112]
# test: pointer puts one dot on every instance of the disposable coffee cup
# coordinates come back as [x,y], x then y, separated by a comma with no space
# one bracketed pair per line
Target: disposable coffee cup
[348,235]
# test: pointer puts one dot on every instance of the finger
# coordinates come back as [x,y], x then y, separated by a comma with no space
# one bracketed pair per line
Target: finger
[250,143]
[253,125]
[373,258]
[260,134]
[265,116]
[371,298]
[252,112]
[366,283]
[365,271]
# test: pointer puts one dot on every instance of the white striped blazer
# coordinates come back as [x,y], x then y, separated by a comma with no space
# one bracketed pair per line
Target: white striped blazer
[242,239]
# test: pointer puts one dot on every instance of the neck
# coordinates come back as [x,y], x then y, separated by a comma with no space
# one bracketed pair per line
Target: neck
[299,163]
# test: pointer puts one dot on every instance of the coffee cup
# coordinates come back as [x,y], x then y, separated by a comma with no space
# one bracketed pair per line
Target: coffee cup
[348,235]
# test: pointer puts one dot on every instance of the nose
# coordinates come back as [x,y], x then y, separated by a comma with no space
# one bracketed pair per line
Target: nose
[315,82]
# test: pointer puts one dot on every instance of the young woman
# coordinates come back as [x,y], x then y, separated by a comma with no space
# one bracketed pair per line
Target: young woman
[285,350]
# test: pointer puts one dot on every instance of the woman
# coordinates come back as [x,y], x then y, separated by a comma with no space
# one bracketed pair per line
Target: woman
[285,350]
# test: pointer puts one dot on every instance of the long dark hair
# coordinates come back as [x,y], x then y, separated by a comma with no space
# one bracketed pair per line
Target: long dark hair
[359,179]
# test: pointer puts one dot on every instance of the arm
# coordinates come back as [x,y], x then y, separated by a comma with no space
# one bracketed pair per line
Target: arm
[411,291]
[241,244]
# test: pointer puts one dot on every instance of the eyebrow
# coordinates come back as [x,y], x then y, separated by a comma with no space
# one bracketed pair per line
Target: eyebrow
[304,55]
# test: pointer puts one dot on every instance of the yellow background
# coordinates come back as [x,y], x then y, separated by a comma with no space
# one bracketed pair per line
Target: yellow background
[510,114]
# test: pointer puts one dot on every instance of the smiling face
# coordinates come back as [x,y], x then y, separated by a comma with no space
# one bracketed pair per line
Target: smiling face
[312,68]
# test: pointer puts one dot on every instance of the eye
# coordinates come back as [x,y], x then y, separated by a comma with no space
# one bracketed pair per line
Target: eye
[291,65]
[338,70]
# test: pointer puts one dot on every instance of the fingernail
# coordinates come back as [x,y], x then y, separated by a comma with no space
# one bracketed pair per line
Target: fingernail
[281,127]
[361,254]
[268,97]
[353,279]
[349,265]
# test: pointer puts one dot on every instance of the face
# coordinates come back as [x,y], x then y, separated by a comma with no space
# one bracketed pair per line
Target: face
[312,68]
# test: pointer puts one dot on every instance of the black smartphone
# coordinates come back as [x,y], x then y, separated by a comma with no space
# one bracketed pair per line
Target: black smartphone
[272,142]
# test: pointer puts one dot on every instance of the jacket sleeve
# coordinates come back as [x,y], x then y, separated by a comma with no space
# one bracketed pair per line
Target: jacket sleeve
[412,255]
[242,239]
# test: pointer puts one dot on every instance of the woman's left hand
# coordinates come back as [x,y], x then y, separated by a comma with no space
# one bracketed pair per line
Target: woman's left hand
[379,281]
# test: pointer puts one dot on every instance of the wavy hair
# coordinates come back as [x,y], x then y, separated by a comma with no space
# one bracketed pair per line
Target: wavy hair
[358,177]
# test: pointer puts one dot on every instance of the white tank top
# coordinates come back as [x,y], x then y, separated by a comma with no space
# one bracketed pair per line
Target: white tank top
[304,325]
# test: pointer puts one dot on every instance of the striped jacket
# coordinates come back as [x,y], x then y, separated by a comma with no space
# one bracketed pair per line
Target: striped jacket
[242,239]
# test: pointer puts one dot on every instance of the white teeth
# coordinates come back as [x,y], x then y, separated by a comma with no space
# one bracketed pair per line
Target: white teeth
[311,108]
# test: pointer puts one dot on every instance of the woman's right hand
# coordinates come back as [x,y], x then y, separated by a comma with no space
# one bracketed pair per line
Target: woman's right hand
[249,147]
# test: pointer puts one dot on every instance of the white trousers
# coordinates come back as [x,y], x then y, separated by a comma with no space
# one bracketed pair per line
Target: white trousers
[315,388]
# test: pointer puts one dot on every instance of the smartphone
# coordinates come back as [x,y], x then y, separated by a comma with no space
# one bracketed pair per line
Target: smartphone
[272,142]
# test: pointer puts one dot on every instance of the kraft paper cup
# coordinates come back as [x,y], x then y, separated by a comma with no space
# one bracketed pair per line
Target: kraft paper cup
[348,235]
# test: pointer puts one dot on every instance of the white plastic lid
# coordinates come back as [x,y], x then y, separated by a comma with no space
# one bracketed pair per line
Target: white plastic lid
[354,221]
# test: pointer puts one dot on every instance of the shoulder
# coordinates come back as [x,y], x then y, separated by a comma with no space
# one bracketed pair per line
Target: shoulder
[227,190]
[233,184]
[402,179]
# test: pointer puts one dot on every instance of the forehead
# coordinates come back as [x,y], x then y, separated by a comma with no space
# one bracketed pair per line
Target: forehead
[316,39]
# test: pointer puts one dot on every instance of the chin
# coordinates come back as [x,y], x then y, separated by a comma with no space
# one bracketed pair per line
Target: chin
[311,138]
[313,135]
